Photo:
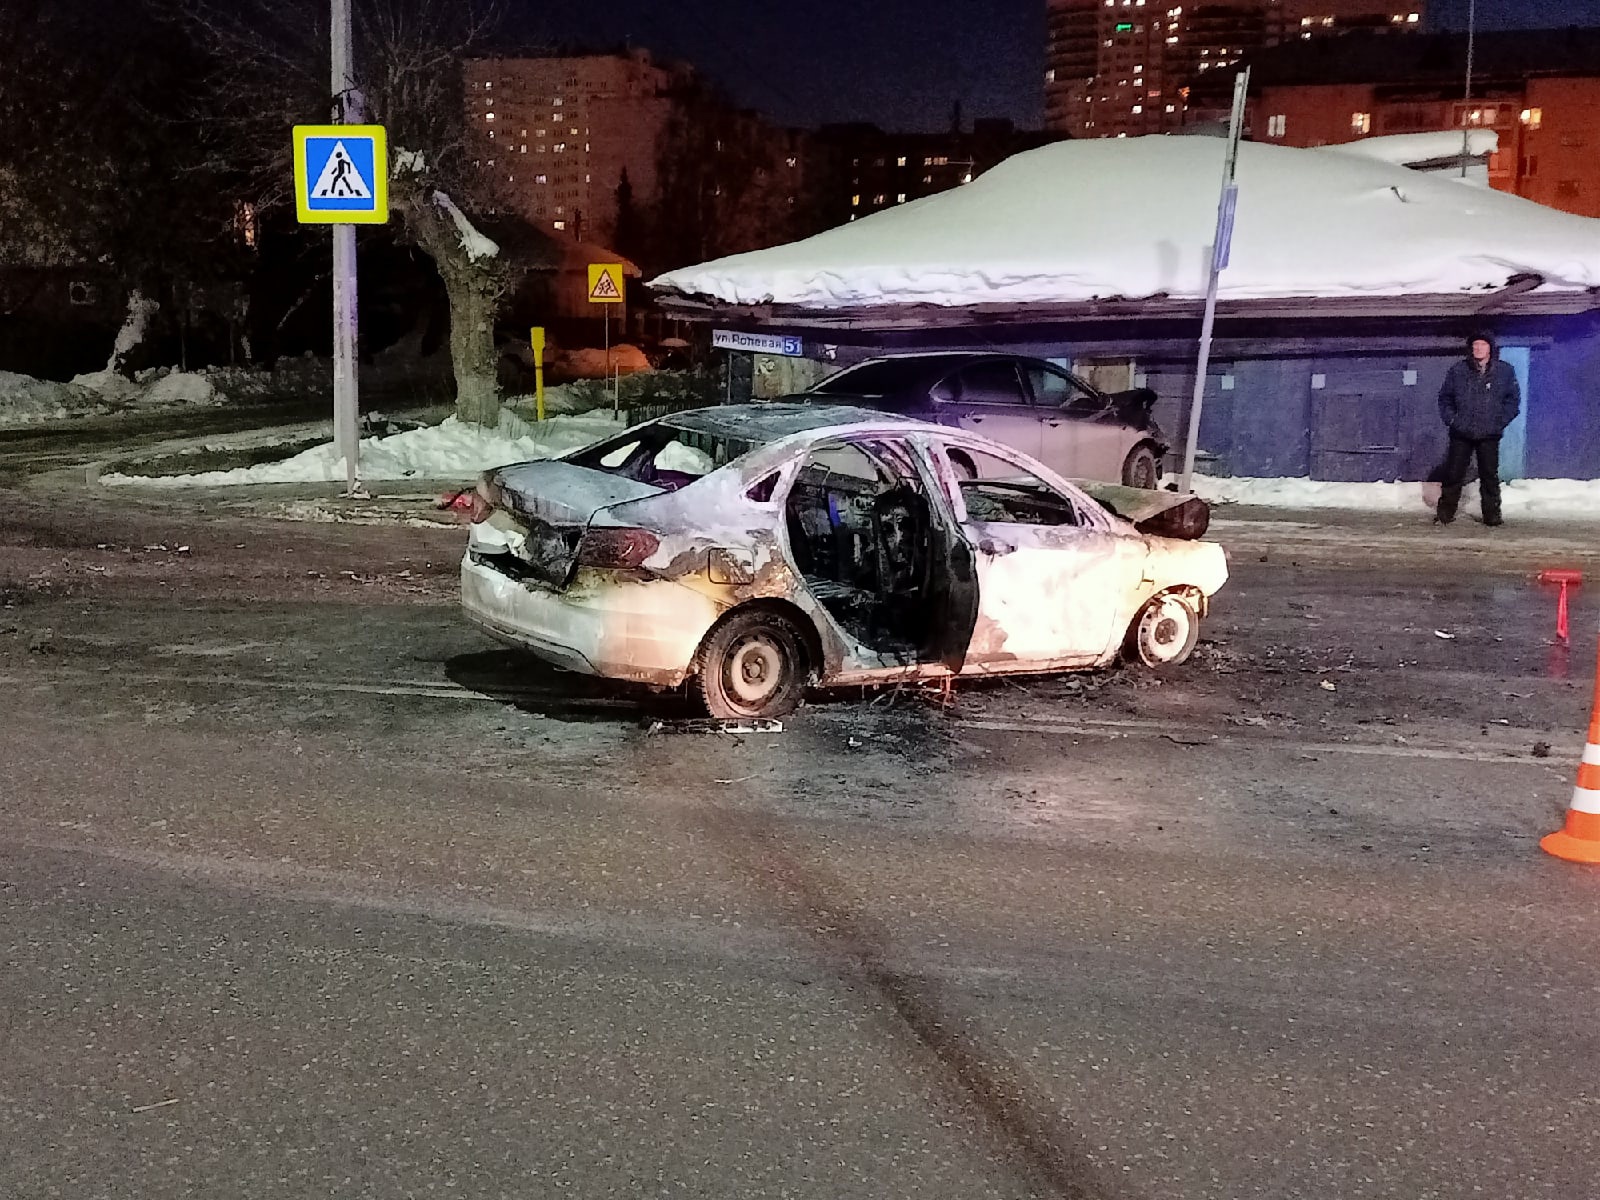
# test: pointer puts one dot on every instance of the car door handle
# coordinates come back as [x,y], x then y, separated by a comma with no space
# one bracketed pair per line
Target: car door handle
[995,548]
[1054,424]
[976,420]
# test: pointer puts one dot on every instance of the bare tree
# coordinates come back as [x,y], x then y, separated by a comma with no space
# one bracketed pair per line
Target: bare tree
[271,72]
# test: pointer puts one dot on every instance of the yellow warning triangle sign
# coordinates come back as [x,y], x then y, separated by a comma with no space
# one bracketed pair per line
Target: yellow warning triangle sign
[605,283]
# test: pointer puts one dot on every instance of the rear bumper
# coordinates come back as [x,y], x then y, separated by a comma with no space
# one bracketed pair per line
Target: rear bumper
[643,631]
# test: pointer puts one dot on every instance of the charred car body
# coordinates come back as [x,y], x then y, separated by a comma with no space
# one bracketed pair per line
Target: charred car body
[757,549]
[1028,404]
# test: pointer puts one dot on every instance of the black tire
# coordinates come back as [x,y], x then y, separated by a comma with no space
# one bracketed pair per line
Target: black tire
[1141,468]
[1165,632]
[752,664]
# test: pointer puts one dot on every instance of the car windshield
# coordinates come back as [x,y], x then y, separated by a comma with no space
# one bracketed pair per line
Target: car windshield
[662,454]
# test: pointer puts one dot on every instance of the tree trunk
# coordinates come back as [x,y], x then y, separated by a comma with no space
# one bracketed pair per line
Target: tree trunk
[474,287]
[473,301]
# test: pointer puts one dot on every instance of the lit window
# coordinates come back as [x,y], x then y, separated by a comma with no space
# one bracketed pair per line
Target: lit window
[487,84]
[793,161]
[855,200]
[488,116]
[541,179]
[1138,108]
[556,102]
[1533,118]
[491,135]
[967,178]
[560,224]
[542,133]
[574,131]
[880,198]
[559,147]
[1361,123]
[1278,126]
[1413,18]
[1050,75]
[900,198]
[901,161]
[523,149]
[1172,108]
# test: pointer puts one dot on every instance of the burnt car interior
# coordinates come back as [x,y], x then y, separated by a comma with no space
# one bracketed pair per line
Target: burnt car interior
[995,490]
[663,456]
[861,535]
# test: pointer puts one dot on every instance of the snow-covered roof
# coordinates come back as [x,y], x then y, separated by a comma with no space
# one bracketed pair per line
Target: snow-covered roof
[1134,218]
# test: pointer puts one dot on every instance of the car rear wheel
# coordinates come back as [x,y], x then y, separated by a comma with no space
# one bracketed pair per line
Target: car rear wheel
[752,665]
[1165,632]
[1140,469]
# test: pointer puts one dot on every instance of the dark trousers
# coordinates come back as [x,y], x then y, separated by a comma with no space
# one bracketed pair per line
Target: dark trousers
[1456,460]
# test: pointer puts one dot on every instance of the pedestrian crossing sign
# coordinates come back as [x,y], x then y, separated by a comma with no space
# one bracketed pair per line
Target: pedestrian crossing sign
[605,283]
[341,174]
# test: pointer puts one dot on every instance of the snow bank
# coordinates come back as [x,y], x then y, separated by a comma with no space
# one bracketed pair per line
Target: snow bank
[25,400]
[1134,218]
[1550,498]
[453,450]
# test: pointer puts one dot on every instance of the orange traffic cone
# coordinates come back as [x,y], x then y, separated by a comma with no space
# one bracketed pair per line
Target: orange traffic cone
[1580,840]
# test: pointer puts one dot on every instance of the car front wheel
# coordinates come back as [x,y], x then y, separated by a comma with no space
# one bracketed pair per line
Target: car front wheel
[752,665]
[1165,632]
[1140,469]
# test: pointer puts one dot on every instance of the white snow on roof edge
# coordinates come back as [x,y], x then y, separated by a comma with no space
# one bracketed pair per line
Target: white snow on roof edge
[1134,218]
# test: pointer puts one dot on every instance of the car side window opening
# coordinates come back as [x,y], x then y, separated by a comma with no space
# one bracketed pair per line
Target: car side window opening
[661,455]
[982,383]
[996,491]
[1054,389]
[861,534]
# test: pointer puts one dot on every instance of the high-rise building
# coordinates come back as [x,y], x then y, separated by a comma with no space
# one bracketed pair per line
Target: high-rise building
[628,152]
[1537,90]
[1120,68]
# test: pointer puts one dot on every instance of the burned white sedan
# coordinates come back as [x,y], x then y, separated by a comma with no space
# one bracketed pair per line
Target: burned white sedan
[758,549]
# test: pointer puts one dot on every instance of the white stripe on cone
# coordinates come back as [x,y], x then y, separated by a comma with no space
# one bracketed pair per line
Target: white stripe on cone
[1585,800]
[1591,755]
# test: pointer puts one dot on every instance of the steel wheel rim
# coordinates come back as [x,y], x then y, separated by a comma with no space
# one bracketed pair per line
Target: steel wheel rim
[755,670]
[1164,632]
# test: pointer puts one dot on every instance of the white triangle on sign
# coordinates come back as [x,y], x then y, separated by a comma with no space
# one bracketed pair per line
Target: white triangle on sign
[339,179]
[605,288]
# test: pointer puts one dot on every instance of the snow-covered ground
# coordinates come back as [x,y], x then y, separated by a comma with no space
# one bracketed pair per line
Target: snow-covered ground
[452,450]
[1554,499]
[1135,218]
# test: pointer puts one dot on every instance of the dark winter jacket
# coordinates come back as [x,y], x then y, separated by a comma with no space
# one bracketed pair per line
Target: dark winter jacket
[1480,404]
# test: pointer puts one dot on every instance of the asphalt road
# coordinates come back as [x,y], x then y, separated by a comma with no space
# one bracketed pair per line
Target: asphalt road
[308,890]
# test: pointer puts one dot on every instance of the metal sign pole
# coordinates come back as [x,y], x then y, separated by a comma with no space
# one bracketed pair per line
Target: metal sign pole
[1220,249]
[347,110]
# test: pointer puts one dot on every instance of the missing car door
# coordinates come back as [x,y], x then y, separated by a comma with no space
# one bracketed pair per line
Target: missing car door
[873,550]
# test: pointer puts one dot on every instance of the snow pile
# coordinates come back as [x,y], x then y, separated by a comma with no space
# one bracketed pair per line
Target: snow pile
[474,243]
[1550,498]
[1134,218]
[182,387]
[25,400]
[452,450]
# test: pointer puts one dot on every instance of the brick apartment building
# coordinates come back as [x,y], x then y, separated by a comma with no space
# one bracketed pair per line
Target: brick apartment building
[556,136]
[1538,89]
[866,170]
[1121,68]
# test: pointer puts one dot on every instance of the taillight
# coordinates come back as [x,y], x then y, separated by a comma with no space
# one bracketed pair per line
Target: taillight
[479,509]
[616,548]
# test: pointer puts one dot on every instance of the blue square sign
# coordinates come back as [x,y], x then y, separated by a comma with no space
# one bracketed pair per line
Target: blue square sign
[341,174]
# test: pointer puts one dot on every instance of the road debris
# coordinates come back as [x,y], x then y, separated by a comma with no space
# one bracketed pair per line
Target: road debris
[1328,685]
[712,725]
[1541,750]
[1444,636]
[158,1104]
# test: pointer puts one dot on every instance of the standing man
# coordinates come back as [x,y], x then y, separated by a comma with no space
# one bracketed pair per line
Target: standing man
[1480,397]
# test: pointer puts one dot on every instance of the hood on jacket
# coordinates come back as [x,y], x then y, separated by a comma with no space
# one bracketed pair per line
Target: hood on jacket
[1483,335]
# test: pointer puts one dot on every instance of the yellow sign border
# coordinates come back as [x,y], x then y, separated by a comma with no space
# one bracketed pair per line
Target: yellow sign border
[380,168]
[619,276]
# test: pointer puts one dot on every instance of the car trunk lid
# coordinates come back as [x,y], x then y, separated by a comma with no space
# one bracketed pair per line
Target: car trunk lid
[552,503]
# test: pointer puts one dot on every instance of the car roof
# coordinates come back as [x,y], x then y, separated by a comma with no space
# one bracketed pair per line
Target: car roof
[760,424]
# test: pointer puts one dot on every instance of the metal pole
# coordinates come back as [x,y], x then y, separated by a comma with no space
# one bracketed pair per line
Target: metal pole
[347,110]
[1466,114]
[1220,248]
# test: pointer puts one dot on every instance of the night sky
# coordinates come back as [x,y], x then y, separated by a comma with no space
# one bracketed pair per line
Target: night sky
[898,63]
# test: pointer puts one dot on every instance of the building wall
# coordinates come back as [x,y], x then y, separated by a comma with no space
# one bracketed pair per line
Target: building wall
[1129,68]
[1549,143]
[1332,400]
[554,135]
